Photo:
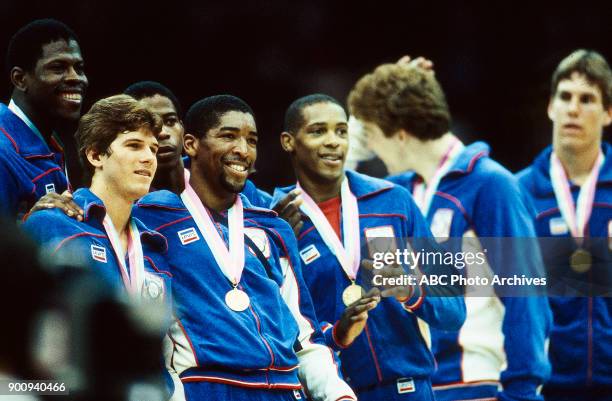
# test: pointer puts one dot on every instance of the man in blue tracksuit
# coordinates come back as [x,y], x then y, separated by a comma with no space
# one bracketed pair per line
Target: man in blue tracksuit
[46,70]
[570,184]
[121,174]
[243,331]
[499,353]
[383,348]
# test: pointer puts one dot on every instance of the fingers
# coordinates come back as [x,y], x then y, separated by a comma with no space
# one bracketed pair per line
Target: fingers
[64,202]
[404,60]
[282,204]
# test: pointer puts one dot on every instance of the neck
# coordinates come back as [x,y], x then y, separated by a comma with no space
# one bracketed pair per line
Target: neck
[577,164]
[43,123]
[118,208]
[170,178]
[425,156]
[213,198]
[319,190]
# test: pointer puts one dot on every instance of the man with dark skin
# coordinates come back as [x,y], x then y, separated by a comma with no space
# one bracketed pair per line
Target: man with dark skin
[47,73]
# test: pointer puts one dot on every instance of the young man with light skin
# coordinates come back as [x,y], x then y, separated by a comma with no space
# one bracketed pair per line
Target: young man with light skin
[569,184]
[499,353]
[382,343]
[254,336]
[46,70]
[117,146]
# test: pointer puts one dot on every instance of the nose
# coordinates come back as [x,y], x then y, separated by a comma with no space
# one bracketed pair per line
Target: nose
[331,140]
[76,75]
[574,105]
[164,133]
[241,147]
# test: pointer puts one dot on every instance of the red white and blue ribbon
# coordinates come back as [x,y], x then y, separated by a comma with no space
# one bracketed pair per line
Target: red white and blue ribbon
[230,261]
[577,215]
[423,194]
[133,273]
[349,253]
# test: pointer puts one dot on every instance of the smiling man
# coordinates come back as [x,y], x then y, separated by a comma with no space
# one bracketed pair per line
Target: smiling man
[245,328]
[383,346]
[117,145]
[570,184]
[46,69]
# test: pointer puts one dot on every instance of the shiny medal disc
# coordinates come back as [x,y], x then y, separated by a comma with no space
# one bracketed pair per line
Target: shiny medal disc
[351,294]
[580,261]
[237,300]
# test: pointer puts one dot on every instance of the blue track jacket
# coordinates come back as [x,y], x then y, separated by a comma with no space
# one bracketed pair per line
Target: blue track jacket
[395,341]
[502,343]
[581,341]
[266,346]
[28,168]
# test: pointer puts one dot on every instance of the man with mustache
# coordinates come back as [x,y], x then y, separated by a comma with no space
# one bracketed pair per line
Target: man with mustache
[49,83]
[383,346]
[570,186]
[245,327]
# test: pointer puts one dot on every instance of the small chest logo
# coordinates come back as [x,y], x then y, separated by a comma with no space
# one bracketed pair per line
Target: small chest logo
[50,188]
[309,254]
[441,224]
[405,385]
[297,395]
[557,226]
[188,235]
[98,253]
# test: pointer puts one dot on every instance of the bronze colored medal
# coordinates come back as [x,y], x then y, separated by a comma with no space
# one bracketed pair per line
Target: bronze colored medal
[352,294]
[581,260]
[237,300]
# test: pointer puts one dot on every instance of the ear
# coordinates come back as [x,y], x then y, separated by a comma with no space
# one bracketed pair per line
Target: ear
[549,110]
[191,144]
[18,79]
[608,117]
[287,142]
[94,157]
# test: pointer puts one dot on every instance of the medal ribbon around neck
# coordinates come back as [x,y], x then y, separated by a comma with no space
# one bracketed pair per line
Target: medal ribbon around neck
[133,279]
[349,254]
[576,216]
[423,194]
[230,261]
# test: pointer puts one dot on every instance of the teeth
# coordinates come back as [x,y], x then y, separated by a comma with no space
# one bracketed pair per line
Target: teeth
[333,158]
[72,96]
[237,167]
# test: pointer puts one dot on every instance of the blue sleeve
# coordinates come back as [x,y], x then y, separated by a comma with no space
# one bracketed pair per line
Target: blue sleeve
[503,218]
[441,306]
[9,186]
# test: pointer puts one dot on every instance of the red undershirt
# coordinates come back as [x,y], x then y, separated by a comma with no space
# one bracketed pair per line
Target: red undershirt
[331,210]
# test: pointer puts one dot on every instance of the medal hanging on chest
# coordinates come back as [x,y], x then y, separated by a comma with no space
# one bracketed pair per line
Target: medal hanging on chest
[132,274]
[576,215]
[230,261]
[349,253]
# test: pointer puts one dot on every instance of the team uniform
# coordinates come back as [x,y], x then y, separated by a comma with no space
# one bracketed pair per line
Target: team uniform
[580,349]
[499,353]
[29,168]
[262,352]
[390,360]
[87,243]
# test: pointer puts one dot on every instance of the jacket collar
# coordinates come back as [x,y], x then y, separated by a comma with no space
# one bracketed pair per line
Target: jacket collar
[94,211]
[361,185]
[24,139]
[468,157]
[541,169]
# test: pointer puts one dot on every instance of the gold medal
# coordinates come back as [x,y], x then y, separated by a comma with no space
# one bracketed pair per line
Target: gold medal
[352,294]
[580,261]
[237,300]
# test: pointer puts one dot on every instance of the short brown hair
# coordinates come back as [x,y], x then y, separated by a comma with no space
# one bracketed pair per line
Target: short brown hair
[590,64]
[397,96]
[108,118]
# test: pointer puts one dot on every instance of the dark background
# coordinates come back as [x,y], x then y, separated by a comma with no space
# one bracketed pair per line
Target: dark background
[493,60]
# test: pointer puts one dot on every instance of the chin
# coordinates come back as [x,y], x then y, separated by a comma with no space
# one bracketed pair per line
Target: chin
[232,186]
